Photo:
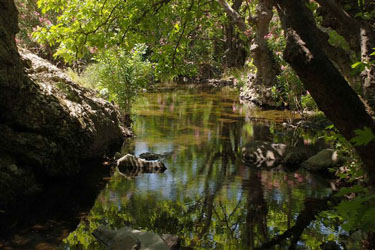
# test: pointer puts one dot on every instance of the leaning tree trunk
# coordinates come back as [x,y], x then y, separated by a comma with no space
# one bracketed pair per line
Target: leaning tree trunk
[360,37]
[327,86]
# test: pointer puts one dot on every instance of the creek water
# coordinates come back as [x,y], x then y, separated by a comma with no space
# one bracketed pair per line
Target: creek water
[207,196]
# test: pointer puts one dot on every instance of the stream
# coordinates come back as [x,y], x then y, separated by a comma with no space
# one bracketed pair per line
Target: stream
[207,196]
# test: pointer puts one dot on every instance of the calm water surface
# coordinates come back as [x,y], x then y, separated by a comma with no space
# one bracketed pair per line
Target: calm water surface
[206,196]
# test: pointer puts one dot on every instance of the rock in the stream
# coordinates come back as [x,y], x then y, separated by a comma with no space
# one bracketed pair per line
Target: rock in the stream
[132,162]
[323,160]
[269,154]
[153,156]
[128,238]
[255,94]
[263,154]
[295,156]
[150,156]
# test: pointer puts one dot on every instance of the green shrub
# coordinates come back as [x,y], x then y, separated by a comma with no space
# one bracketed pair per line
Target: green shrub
[117,75]
[124,74]
[288,88]
[308,103]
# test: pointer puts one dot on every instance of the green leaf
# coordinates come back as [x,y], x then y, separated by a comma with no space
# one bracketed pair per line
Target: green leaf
[358,65]
[363,136]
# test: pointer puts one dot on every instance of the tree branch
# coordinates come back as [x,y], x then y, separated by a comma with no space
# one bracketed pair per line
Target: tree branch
[233,15]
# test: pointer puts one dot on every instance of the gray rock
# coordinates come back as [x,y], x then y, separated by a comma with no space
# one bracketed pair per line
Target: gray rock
[221,82]
[323,160]
[153,156]
[132,162]
[263,154]
[150,156]
[269,154]
[128,238]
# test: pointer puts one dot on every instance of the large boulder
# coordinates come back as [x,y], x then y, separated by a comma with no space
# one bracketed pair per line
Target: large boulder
[48,123]
[322,161]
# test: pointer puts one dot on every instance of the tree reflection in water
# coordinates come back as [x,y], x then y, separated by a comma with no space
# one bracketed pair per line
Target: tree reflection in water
[207,196]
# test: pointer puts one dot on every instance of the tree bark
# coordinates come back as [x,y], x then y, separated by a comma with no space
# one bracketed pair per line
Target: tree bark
[262,55]
[327,86]
[233,15]
[259,89]
[235,53]
[360,37]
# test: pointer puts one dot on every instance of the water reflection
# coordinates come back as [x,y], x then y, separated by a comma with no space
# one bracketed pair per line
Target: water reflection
[207,196]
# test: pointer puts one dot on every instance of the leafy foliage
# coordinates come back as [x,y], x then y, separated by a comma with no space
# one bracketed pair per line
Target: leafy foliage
[30,19]
[363,136]
[122,75]
[181,34]
[357,212]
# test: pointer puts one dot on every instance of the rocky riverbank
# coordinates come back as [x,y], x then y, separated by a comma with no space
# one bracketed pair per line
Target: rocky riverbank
[50,126]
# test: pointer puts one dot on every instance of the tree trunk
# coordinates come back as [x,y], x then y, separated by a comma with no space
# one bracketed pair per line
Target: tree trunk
[327,86]
[360,37]
[259,88]
[267,68]
[235,53]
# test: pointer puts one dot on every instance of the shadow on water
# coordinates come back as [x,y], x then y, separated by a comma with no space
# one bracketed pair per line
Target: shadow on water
[44,220]
[207,196]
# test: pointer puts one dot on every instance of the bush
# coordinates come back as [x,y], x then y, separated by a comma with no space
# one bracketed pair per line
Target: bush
[288,89]
[118,75]
[124,74]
